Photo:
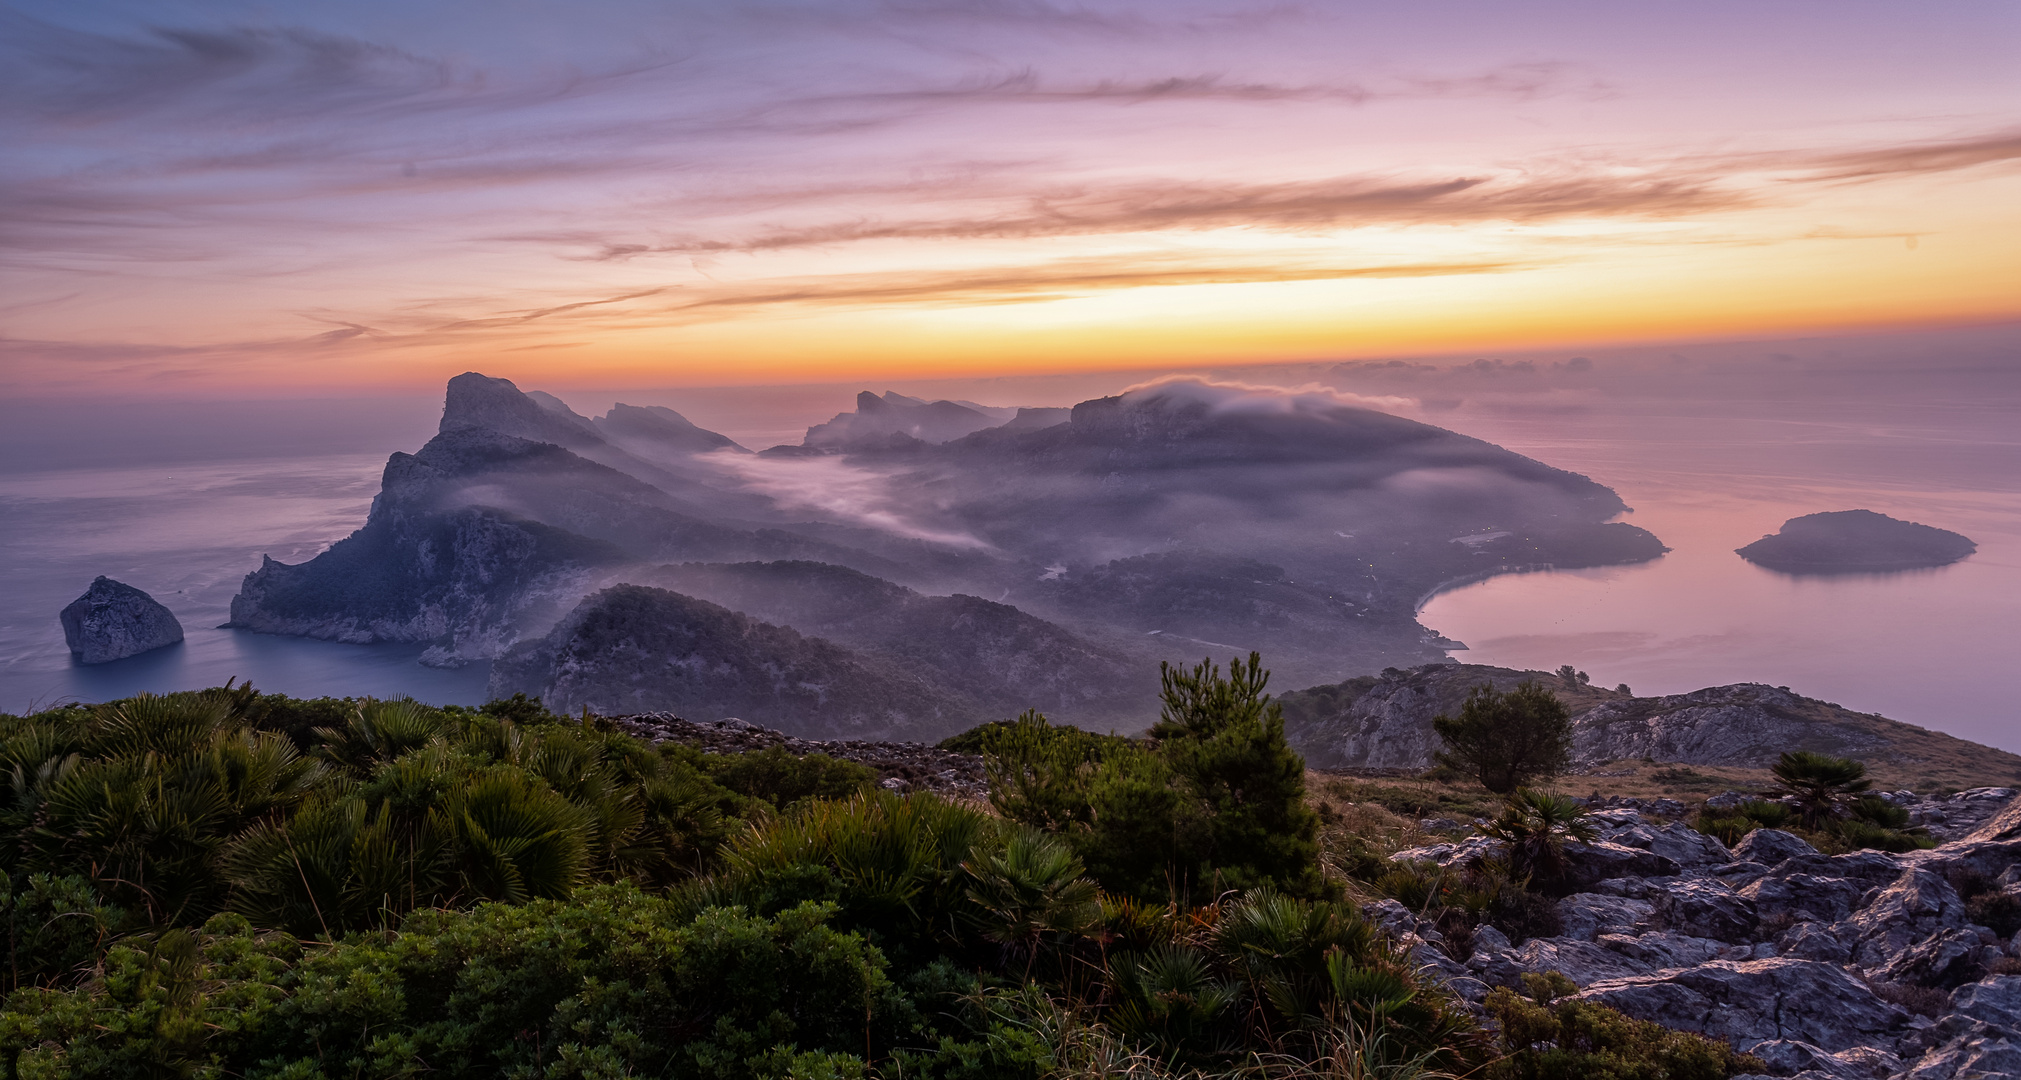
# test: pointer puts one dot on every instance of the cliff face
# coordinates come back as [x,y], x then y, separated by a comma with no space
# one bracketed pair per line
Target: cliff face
[633,649]
[464,581]
[1385,721]
[480,535]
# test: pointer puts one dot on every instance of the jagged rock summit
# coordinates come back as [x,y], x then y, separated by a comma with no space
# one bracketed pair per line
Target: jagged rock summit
[1852,541]
[113,621]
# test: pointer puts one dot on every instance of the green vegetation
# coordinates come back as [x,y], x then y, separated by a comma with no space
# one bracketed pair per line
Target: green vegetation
[1535,826]
[1507,740]
[1550,1036]
[230,884]
[1818,784]
[1213,800]
[1823,801]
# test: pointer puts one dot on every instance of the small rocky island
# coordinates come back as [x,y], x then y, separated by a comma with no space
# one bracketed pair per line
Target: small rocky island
[1845,541]
[113,621]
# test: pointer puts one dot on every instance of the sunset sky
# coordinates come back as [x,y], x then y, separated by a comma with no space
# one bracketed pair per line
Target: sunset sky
[375,194]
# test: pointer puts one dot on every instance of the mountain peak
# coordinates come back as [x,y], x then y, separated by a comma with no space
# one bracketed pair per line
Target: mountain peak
[476,400]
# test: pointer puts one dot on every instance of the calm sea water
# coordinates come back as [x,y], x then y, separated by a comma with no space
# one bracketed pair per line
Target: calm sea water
[1705,473]
[1931,647]
[188,533]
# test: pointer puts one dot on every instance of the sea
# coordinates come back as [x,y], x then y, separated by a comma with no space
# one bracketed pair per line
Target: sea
[183,503]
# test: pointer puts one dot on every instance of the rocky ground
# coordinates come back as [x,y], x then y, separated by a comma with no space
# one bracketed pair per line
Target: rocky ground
[1384,722]
[1847,967]
[901,766]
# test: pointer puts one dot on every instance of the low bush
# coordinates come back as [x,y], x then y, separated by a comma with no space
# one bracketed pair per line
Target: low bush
[1547,1035]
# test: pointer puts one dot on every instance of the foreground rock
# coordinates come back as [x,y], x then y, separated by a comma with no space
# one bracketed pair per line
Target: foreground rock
[113,621]
[1851,541]
[1863,966]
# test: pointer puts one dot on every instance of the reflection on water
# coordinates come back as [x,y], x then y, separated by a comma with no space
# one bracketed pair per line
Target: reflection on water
[1929,646]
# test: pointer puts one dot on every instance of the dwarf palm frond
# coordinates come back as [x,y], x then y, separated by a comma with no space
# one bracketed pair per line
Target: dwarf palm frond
[1171,1002]
[170,725]
[517,838]
[1536,826]
[1821,784]
[1030,891]
[380,731]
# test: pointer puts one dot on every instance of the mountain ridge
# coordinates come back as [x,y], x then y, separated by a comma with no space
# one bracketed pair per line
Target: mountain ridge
[1384,722]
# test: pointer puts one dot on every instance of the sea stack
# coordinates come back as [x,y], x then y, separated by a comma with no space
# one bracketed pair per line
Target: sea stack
[1847,541]
[113,621]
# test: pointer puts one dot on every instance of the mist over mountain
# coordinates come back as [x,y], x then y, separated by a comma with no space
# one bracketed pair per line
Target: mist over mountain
[1002,558]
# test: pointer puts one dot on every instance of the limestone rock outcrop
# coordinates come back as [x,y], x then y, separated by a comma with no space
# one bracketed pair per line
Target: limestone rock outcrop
[1861,966]
[113,621]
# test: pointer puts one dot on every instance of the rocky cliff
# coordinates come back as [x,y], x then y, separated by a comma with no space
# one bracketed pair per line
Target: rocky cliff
[480,536]
[113,621]
[1384,721]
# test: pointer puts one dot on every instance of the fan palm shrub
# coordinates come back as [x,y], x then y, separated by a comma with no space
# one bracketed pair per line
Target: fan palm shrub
[1026,894]
[1536,825]
[1820,785]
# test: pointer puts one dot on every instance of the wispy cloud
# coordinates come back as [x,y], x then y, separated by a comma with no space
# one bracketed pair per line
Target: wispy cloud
[1295,206]
[1917,157]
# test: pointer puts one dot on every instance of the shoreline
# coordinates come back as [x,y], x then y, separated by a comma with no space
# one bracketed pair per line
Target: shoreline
[1449,584]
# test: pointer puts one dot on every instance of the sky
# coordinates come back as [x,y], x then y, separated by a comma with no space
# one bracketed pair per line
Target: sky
[367,197]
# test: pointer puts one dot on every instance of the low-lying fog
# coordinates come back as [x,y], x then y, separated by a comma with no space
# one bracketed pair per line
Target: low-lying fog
[1712,445]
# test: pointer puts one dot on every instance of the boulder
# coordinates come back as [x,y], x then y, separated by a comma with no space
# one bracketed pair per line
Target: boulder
[1704,907]
[1771,846]
[1791,1057]
[1750,1001]
[1813,941]
[1915,906]
[113,621]
[1460,853]
[1487,939]
[1634,888]
[1585,916]
[1680,843]
[1992,858]
[1583,962]
[1944,959]
[1982,1052]
[1803,897]
[1995,1000]
[1663,949]
[2005,825]
[1596,862]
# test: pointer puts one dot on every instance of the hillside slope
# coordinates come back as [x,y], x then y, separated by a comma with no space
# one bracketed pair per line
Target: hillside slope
[634,649]
[1385,721]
